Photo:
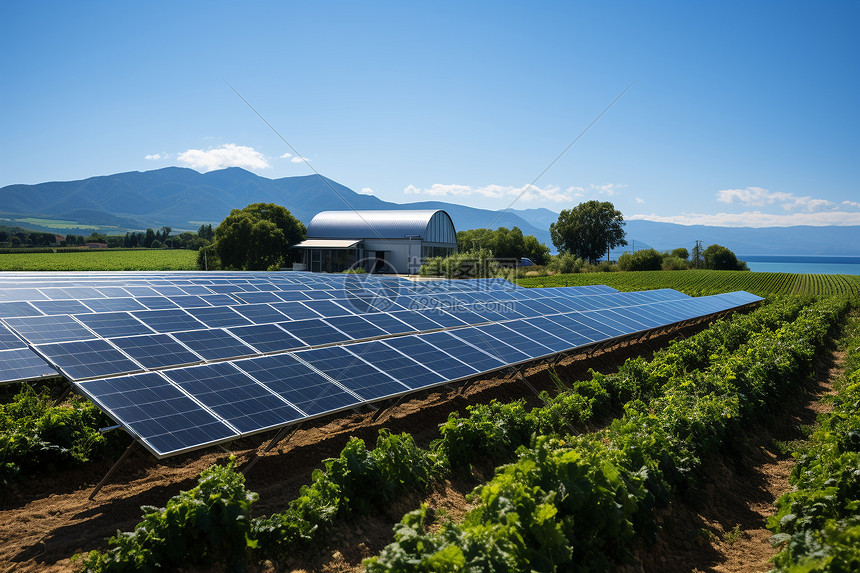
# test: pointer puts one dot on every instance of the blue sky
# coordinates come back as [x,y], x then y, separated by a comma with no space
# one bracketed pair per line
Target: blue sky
[739,113]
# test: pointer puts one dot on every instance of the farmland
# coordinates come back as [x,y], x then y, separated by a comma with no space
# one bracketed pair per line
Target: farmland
[702,283]
[622,443]
[102,260]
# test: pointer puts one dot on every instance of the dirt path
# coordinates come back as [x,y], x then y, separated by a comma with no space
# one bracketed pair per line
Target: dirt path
[46,519]
[722,526]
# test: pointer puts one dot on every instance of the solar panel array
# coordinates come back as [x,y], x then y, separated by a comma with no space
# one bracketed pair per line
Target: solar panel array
[183,360]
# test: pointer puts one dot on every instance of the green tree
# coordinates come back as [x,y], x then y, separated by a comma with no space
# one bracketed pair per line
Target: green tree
[719,258]
[588,230]
[148,238]
[644,260]
[257,237]
[504,243]
[681,253]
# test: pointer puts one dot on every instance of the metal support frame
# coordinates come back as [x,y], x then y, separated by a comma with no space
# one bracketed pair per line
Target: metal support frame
[383,409]
[113,469]
[286,432]
[63,395]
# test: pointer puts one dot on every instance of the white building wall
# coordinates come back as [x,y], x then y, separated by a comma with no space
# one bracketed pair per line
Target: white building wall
[398,253]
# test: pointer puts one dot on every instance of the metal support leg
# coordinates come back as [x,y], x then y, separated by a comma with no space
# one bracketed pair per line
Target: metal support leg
[378,414]
[63,395]
[282,433]
[111,471]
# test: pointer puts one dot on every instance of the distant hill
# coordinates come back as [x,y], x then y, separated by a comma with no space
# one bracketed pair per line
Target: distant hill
[184,199]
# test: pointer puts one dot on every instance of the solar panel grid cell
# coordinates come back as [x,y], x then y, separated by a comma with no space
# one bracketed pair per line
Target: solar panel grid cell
[165,419]
[87,359]
[20,364]
[306,389]
[231,394]
[156,351]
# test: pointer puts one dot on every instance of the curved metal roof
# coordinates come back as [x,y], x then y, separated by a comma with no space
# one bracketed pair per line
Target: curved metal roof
[430,225]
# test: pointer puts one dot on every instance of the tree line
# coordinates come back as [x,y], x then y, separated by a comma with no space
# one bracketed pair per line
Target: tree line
[149,239]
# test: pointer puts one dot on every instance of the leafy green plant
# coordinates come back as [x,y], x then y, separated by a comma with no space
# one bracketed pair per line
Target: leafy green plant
[36,434]
[207,524]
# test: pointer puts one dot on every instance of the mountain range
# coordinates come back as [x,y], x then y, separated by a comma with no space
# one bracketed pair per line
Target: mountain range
[184,199]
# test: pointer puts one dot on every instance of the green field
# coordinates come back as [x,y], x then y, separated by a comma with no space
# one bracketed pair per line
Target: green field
[102,260]
[701,283]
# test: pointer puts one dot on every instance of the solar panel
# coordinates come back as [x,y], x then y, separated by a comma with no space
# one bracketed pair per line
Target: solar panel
[59,306]
[258,297]
[113,304]
[87,359]
[531,331]
[297,383]
[462,351]
[235,397]
[425,353]
[9,341]
[157,302]
[355,327]
[481,338]
[21,294]
[259,313]
[387,322]
[214,344]
[400,367]
[328,308]
[416,321]
[295,310]
[9,309]
[352,372]
[43,329]
[156,351]
[19,364]
[169,320]
[188,301]
[516,340]
[163,418]
[218,316]
[267,337]
[109,324]
[314,332]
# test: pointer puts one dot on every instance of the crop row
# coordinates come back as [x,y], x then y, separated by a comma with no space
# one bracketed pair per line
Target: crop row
[579,504]
[702,282]
[496,430]
[95,260]
[818,522]
[357,481]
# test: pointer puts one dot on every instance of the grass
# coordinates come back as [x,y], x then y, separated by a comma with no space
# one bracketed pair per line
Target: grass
[95,260]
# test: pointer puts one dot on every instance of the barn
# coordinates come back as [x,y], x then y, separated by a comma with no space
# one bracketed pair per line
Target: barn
[382,241]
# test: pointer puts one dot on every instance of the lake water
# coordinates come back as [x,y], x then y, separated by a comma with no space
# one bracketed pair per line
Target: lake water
[802,264]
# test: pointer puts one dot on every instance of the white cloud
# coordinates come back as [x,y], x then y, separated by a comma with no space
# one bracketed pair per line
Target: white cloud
[286,155]
[227,155]
[551,193]
[156,156]
[639,200]
[851,204]
[757,219]
[366,191]
[759,197]
[298,159]
[608,188]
